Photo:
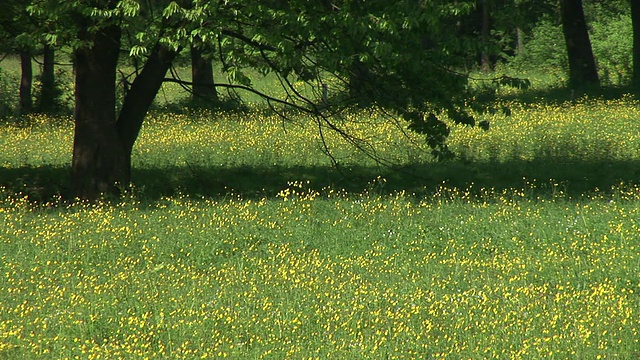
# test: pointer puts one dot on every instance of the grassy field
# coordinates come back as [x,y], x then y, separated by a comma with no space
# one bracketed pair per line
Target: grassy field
[241,240]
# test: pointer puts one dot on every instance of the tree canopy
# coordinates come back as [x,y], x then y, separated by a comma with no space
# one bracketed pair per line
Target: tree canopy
[402,56]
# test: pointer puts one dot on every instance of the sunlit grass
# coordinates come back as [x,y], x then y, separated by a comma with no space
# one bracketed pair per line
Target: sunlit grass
[523,269]
[584,129]
[330,275]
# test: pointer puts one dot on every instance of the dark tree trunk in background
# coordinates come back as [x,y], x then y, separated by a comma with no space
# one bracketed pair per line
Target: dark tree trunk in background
[99,164]
[360,74]
[48,93]
[26,80]
[519,41]
[635,19]
[582,65]
[358,81]
[202,77]
[485,36]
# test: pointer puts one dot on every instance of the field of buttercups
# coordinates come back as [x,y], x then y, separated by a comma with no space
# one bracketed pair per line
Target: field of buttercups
[528,268]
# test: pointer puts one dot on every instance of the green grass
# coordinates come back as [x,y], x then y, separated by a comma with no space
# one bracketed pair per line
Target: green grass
[241,240]
[334,276]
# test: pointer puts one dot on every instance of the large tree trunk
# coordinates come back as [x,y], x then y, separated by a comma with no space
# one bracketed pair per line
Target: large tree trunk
[48,93]
[485,36]
[202,77]
[140,97]
[26,80]
[582,65]
[635,19]
[102,145]
[99,164]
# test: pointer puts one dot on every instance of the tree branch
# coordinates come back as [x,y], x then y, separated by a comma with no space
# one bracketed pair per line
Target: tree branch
[248,40]
[249,89]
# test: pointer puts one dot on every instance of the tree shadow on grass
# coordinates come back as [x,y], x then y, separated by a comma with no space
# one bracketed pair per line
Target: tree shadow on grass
[548,175]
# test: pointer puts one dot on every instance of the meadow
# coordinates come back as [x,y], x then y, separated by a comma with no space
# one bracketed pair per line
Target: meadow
[241,239]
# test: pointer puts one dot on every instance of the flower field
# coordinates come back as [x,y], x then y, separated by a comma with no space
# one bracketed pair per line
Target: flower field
[528,246]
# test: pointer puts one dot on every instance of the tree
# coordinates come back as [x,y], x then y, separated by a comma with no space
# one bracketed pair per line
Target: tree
[14,24]
[407,47]
[514,19]
[485,35]
[103,142]
[99,160]
[202,76]
[29,35]
[103,139]
[582,66]
[499,27]
[48,91]
[635,20]
[26,81]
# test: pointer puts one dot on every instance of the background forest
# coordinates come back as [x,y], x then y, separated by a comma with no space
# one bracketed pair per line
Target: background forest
[523,38]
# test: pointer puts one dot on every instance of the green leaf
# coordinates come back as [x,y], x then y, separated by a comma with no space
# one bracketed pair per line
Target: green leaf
[129,8]
[171,9]
[137,50]
[50,38]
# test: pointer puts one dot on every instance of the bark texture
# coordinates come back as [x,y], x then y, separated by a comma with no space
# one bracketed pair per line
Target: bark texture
[582,66]
[48,93]
[141,94]
[103,141]
[99,160]
[485,36]
[202,77]
[26,81]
